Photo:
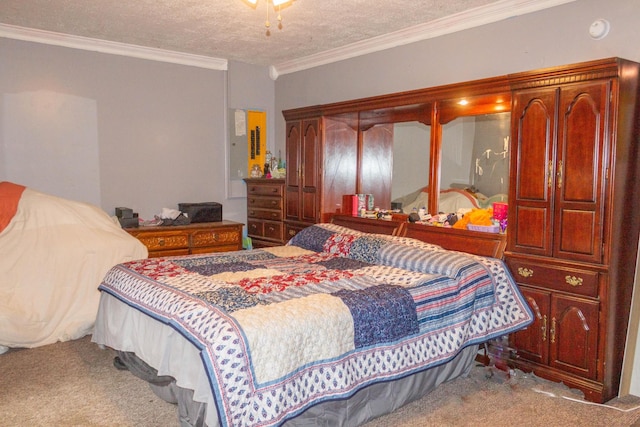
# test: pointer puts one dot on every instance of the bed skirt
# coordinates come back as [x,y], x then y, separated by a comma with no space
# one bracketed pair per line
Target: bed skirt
[176,358]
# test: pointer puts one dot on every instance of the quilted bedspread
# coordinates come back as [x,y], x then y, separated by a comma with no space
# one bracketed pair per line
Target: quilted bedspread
[280,329]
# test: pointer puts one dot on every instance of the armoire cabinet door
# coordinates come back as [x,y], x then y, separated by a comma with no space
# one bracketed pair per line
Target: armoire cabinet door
[582,144]
[558,192]
[293,178]
[302,146]
[574,335]
[532,343]
[310,170]
[531,203]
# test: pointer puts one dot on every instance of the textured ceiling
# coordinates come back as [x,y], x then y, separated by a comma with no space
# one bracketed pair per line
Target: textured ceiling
[230,29]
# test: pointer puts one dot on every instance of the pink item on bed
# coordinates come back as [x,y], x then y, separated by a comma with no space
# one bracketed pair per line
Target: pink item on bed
[10,194]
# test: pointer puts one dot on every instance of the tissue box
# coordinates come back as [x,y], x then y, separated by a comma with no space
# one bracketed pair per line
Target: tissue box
[202,212]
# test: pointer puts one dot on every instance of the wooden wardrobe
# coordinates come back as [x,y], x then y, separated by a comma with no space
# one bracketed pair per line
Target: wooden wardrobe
[573,220]
[574,185]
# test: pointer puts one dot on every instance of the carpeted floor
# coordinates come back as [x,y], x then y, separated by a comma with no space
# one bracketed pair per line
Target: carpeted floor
[75,384]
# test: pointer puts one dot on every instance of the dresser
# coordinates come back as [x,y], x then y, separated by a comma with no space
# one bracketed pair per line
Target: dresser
[265,211]
[198,238]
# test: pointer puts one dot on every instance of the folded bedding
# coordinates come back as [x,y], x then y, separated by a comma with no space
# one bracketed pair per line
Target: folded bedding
[281,329]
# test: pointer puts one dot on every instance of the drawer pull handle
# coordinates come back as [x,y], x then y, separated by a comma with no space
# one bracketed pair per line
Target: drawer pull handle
[525,272]
[292,232]
[544,328]
[553,330]
[573,280]
[161,242]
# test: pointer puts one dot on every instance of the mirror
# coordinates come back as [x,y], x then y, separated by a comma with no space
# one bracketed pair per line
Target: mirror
[474,170]
[475,153]
[237,153]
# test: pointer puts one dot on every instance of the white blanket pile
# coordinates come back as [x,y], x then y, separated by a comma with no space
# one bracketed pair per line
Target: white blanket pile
[53,255]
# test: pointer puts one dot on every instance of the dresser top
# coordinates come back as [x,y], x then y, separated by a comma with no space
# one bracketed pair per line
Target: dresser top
[195,225]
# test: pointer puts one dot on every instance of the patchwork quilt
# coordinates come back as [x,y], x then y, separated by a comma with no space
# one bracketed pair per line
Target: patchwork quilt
[281,329]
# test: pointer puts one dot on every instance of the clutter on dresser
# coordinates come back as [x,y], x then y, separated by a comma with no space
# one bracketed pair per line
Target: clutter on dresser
[202,212]
[126,217]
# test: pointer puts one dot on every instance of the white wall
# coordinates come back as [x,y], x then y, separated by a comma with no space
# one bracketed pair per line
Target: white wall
[555,36]
[117,131]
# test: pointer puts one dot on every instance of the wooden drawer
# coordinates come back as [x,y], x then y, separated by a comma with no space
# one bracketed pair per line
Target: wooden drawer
[273,230]
[264,214]
[164,240]
[560,278]
[215,237]
[255,228]
[264,189]
[293,229]
[217,248]
[172,252]
[264,202]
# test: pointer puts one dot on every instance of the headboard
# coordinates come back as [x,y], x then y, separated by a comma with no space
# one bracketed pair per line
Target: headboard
[474,242]
[377,226]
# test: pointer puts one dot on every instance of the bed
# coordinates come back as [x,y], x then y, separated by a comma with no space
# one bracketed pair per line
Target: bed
[54,253]
[335,328]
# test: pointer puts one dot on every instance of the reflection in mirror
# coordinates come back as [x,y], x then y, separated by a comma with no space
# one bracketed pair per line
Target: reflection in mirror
[474,169]
[238,152]
[475,156]
[411,142]
[411,159]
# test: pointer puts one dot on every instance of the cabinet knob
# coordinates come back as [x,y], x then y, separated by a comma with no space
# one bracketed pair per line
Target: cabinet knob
[161,242]
[525,272]
[573,280]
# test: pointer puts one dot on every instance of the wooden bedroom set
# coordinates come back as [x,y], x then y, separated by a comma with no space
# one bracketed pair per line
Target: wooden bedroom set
[570,246]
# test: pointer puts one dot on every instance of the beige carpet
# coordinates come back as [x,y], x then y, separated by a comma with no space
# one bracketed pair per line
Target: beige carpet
[75,384]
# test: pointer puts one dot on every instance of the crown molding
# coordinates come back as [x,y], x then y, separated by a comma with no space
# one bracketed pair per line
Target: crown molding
[115,48]
[461,21]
